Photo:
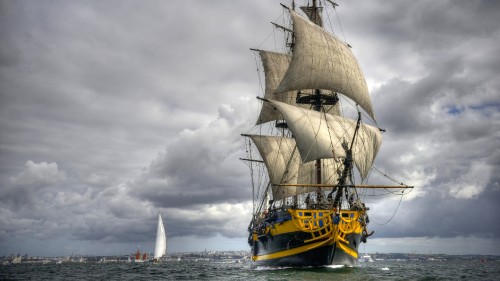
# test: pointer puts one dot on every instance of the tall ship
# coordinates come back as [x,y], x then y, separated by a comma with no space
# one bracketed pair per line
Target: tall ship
[310,167]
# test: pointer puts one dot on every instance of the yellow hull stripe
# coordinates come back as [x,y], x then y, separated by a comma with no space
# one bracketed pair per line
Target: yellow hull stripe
[348,250]
[293,251]
[321,226]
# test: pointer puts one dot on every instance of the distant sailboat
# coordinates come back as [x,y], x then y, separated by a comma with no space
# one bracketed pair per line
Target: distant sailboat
[365,258]
[160,245]
[161,240]
[17,259]
[140,258]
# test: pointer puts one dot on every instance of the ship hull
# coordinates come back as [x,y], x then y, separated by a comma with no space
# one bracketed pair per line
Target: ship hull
[278,246]
[328,255]
[315,257]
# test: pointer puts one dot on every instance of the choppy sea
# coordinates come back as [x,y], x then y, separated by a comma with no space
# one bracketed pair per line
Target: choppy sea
[211,270]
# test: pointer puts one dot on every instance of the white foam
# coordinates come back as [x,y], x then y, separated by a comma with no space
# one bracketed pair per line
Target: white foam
[335,266]
[258,268]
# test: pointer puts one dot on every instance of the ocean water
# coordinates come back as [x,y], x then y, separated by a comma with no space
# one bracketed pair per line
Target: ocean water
[211,270]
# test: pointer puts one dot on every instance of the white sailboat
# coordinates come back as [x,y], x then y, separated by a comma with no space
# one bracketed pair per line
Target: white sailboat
[161,240]
[17,259]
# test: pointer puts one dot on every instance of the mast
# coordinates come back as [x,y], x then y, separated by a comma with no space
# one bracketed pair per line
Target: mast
[314,14]
[346,173]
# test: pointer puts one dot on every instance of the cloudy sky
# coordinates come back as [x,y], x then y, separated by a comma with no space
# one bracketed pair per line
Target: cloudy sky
[111,111]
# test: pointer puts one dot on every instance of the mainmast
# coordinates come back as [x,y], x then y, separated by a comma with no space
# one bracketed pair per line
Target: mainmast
[314,13]
[317,99]
[315,16]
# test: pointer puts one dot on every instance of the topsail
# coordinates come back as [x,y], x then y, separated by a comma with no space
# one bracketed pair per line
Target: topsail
[322,61]
[275,66]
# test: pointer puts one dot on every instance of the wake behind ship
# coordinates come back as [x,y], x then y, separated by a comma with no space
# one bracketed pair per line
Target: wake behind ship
[309,211]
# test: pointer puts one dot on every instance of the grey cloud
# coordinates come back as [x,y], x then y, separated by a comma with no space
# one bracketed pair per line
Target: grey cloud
[23,189]
[200,166]
[435,216]
[442,126]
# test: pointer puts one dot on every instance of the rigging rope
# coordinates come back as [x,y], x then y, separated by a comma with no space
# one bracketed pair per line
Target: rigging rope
[383,174]
[340,25]
[328,17]
[402,194]
[395,211]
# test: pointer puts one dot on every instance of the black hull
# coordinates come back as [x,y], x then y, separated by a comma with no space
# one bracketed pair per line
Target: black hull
[316,257]
[329,254]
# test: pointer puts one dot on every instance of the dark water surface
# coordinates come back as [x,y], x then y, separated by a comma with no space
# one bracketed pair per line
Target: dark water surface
[209,270]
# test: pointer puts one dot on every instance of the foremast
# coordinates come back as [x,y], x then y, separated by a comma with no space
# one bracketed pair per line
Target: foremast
[346,172]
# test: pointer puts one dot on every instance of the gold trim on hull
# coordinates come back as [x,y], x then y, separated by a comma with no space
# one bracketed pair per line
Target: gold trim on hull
[324,227]
[295,251]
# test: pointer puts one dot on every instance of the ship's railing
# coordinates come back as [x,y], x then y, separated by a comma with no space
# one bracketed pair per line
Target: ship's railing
[311,220]
[349,221]
[321,225]
[324,225]
[316,222]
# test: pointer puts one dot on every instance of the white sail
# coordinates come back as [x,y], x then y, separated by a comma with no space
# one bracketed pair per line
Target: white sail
[17,259]
[284,166]
[275,66]
[322,61]
[282,162]
[320,136]
[161,240]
